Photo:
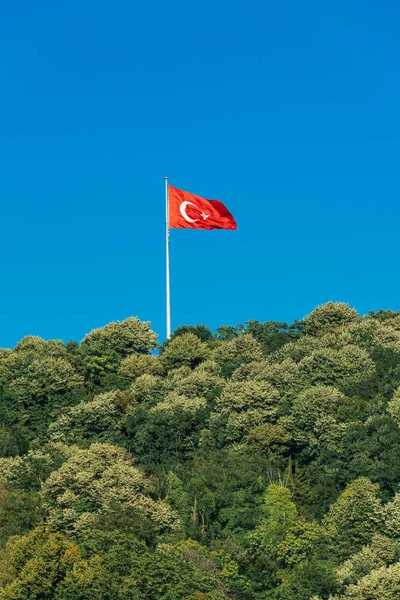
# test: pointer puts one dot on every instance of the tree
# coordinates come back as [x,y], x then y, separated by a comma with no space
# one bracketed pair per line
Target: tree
[239,350]
[173,570]
[350,369]
[272,334]
[103,349]
[28,471]
[242,406]
[382,551]
[192,384]
[283,375]
[392,517]
[305,345]
[43,562]
[47,380]
[279,516]
[317,417]
[20,511]
[379,339]
[11,443]
[390,381]
[122,337]
[172,425]
[98,482]
[355,516]
[147,389]
[98,419]
[372,335]
[371,448]
[303,541]
[179,498]
[394,406]
[305,579]
[36,379]
[225,333]
[380,584]
[135,365]
[201,331]
[270,437]
[184,350]
[382,315]
[226,486]
[329,316]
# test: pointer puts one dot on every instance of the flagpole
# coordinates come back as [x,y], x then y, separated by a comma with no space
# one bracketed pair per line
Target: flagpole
[168,291]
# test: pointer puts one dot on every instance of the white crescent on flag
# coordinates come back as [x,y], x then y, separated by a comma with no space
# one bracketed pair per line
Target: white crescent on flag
[182,208]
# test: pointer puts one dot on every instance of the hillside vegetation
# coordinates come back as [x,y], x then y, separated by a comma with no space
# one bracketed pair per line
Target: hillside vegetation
[259,462]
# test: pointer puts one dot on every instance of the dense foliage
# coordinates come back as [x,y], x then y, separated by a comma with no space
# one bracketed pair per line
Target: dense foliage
[258,462]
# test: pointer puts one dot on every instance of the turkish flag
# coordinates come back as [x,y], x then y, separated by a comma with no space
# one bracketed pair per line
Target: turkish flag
[187,211]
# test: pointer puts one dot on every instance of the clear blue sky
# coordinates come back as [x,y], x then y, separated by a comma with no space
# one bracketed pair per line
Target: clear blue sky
[288,112]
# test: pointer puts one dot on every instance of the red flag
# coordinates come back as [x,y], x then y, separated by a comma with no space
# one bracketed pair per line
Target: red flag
[187,211]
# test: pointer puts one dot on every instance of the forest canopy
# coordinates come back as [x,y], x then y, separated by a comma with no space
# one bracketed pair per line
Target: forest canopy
[256,462]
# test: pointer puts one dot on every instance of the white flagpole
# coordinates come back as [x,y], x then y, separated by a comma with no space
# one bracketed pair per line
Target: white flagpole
[167,260]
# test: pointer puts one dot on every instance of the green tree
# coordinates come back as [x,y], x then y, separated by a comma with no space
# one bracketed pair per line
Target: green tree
[42,562]
[390,381]
[185,350]
[31,469]
[372,335]
[394,406]
[355,517]
[371,448]
[225,333]
[283,375]
[239,350]
[36,379]
[201,331]
[147,390]
[172,425]
[279,516]
[381,584]
[379,339]
[96,420]
[317,417]
[135,365]
[98,482]
[328,317]
[392,517]
[20,511]
[103,349]
[227,489]
[11,443]
[179,498]
[382,551]
[272,334]
[305,579]
[123,337]
[198,382]
[350,369]
[169,571]
[242,406]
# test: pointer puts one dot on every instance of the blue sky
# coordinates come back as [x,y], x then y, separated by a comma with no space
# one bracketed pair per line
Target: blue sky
[288,112]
